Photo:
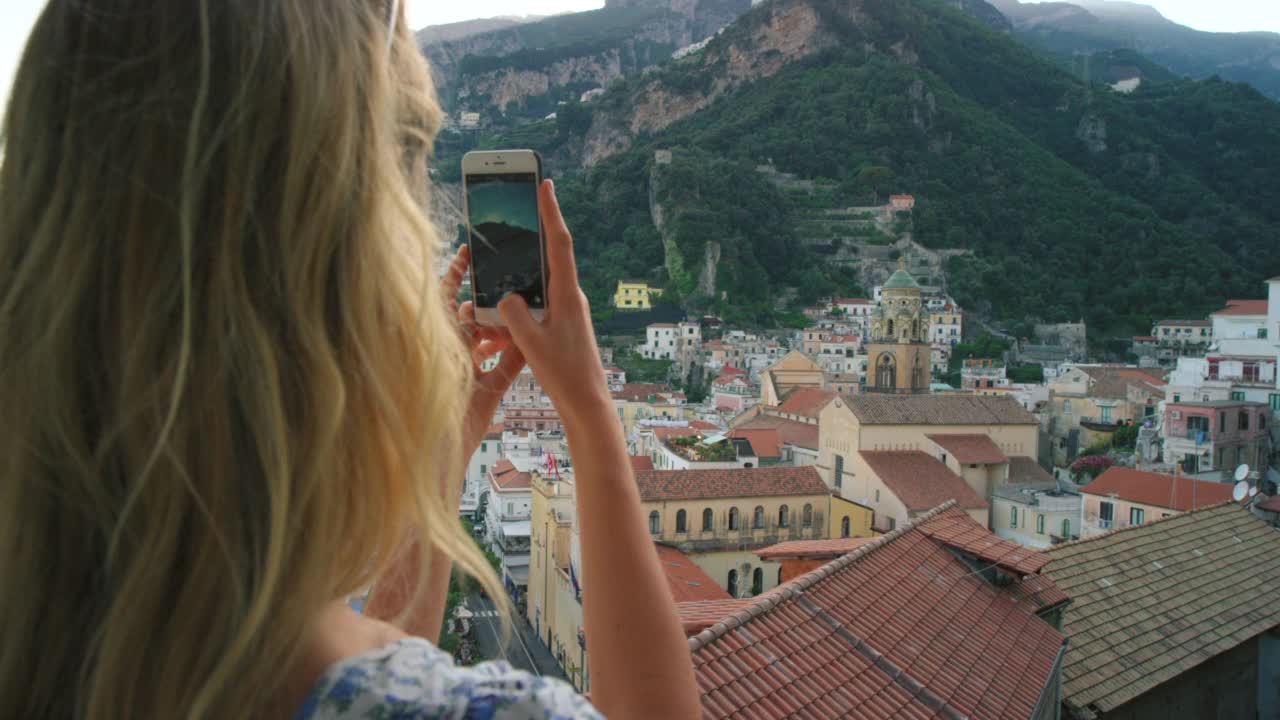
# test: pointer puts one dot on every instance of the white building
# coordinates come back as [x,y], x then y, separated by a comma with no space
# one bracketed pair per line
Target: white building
[507,520]
[1243,352]
[1036,517]
[670,341]
[477,480]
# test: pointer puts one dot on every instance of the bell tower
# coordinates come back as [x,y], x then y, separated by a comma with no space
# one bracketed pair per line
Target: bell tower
[899,359]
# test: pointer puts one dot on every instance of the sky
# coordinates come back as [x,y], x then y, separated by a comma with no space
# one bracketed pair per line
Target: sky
[17,17]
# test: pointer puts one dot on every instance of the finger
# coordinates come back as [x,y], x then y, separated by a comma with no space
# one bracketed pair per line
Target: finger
[562,267]
[467,317]
[515,315]
[497,380]
[453,276]
[487,349]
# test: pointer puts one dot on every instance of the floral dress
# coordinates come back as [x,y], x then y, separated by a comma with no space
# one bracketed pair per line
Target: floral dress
[412,679]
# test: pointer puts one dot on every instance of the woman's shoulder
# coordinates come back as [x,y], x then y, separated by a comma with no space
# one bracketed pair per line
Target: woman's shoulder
[412,678]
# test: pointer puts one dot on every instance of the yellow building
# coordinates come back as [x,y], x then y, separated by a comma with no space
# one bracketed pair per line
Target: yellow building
[849,519]
[554,594]
[633,295]
[897,454]
[794,370]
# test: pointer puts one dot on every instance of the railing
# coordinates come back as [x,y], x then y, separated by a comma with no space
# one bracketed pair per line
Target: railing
[1105,524]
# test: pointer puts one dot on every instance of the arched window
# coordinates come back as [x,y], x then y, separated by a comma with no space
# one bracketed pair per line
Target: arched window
[733,518]
[808,515]
[682,522]
[757,581]
[708,520]
[886,372]
[779,574]
[733,583]
[844,527]
[655,524]
[757,519]
[1243,420]
[890,333]
[784,516]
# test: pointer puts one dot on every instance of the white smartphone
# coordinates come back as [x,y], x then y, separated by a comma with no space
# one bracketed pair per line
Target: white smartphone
[504,230]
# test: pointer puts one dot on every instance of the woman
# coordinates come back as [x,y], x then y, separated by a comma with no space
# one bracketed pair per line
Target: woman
[234,394]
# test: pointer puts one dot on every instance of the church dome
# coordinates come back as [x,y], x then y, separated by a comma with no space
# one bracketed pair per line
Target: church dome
[900,279]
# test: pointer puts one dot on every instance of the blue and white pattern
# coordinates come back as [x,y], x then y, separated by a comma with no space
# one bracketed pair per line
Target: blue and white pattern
[413,679]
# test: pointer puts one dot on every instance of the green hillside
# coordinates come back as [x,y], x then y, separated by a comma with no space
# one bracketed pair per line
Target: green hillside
[1076,201]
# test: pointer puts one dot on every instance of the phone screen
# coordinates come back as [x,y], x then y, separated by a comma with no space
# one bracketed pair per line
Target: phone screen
[504,233]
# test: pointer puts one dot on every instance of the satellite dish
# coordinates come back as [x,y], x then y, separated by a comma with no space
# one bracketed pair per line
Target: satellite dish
[1240,491]
[1242,472]
[1253,491]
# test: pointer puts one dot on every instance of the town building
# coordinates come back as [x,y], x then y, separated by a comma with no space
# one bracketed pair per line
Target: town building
[936,619]
[1190,337]
[1090,402]
[646,401]
[946,325]
[900,359]
[1122,497]
[476,483]
[982,373]
[507,521]
[719,517]
[1216,436]
[634,295]
[1166,621]
[733,393]
[1032,508]
[793,371]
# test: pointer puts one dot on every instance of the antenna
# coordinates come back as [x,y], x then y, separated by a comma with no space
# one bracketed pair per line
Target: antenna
[1240,491]
[1242,472]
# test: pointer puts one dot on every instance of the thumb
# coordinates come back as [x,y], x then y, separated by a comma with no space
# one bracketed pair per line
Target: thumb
[515,315]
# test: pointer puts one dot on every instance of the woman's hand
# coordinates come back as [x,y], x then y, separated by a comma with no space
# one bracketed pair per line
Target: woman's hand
[562,348]
[483,342]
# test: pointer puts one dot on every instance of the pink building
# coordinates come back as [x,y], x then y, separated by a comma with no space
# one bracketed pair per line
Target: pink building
[1216,435]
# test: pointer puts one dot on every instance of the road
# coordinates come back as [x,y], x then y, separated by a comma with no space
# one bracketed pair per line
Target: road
[524,651]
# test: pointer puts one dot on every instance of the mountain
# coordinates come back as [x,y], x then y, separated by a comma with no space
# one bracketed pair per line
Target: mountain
[1089,26]
[523,70]
[740,176]
[452,32]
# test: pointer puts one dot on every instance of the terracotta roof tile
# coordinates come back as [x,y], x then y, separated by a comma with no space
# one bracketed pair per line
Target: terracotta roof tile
[731,483]
[1190,323]
[1152,601]
[812,548]
[920,481]
[507,477]
[807,401]
[765,442]
[968,536]
[881,409]
[493,432]
[688,582]
[1026,471]
[971,448]
[792,432]
[641,462]
[1243,307]
[1158,489]
[697,616]
[899,628]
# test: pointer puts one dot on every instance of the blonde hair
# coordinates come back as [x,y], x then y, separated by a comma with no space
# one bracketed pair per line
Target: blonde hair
[230,387]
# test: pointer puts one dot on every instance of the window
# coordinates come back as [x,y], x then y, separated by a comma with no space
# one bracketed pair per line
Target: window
[1242,420]
[877,494]
[893,524]
[511,508]
[1137,516]
[757,518]
[1197,423]
[757,581]
[1066,407]
[733,583]
[1066,528]
[1222,422]
[1274,401]
[484,447]
[1106,414]
[1013,517]
[483,468]
[1262,422]
[808,515]
[1177,397]
[733,518]
[839,472]
[655,523]
[1262,333]
[844,527]
[682,522]
[1039,523]
[1106,513]
[707,520]
[1237,395]
[784,519]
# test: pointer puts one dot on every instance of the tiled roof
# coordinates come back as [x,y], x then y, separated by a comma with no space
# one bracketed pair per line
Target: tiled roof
[704,425]
[729,379]
[970,448]
[732,483]
[765,442]
[698,615]
[812,548]
[1026,471]
[899,628]
[731,370]
[792,432]
[1271,504]
[1114,382]
[507,477]
[920,481]
[1158,489]
[1243,307]
[641,462]
[640,392]
[962,533]
[879,409]
[853,301]
[806,401]
[1152,601]
[1038,593]
[493,432]
[688,582]
[1191,323]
